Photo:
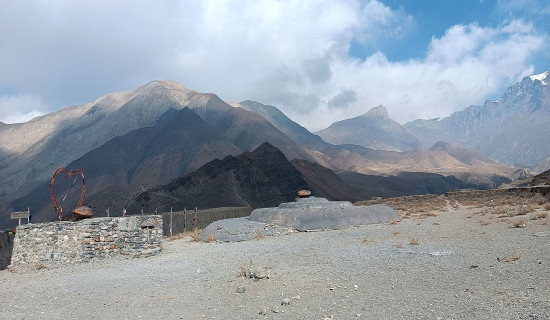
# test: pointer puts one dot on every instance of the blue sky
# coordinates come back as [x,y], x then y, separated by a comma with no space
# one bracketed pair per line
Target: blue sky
[318,61]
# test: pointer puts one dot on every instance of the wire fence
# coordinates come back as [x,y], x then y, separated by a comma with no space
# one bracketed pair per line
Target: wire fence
[181,221]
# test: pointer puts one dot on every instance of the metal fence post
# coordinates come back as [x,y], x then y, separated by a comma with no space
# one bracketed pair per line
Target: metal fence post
[184,219]
[170,221]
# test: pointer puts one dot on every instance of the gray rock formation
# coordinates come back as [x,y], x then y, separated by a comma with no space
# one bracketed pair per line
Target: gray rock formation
[313,213]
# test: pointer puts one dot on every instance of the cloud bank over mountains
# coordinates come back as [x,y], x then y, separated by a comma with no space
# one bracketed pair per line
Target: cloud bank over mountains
[296,55]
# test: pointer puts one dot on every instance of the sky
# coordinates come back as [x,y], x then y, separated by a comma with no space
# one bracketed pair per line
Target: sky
[318,61]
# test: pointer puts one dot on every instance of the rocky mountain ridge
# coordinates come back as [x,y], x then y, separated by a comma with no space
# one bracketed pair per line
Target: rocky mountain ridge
[511,130]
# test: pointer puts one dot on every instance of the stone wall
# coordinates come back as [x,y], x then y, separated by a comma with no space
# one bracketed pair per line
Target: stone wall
[52,244]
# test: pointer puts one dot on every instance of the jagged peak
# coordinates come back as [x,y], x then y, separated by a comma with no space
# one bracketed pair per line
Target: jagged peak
[266,147]
[542,77]
[377,112]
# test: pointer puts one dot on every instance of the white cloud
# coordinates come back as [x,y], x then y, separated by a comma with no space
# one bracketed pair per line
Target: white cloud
[290,53]
[20,108]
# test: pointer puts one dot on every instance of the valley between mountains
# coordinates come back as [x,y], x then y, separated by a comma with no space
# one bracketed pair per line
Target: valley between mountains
[163,145]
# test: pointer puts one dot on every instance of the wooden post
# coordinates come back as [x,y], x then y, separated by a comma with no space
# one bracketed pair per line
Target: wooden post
[21,214]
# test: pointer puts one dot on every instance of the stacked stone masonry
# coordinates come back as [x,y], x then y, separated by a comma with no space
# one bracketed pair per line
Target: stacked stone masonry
[52,244]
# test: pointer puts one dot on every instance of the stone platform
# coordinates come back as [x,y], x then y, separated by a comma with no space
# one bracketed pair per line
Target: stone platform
[307,214]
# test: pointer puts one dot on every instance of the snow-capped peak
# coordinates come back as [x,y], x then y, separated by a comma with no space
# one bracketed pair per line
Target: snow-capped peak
[542,77]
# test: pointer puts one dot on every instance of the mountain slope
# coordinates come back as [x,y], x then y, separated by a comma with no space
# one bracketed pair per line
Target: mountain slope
[293,130]
[178,143]
[374,129]
[465,156]
[541,179]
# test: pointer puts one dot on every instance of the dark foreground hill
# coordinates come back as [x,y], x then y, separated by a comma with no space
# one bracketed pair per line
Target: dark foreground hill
[263,177]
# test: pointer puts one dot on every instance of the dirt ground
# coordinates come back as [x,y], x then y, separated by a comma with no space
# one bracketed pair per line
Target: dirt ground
[446,260]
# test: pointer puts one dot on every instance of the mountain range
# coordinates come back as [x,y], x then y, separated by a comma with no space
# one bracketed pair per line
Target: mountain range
[130,142]
[513,129]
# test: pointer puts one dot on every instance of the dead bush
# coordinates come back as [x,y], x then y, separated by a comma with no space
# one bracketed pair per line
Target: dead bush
[539,199]
[525,209]
[210,238]
[196,235]
[258,235]
[414,241]
[514,257]
[519,223]
[484,222]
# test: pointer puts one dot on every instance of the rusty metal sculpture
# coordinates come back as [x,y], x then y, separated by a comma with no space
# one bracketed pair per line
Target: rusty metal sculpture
[68,174]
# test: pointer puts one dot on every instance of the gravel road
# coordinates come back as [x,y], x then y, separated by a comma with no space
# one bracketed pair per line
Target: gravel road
[442,267]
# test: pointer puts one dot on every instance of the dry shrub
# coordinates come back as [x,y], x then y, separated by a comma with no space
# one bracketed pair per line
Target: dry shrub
[196,235]
[210,238]
[365,240]
[519,223]
[414,241]
[539,199]
[514,257]
[429,214]
[258,235]
[245,266]
[547,206]
[484,222]
[393,221]
[396,232]
[540,215]
[500,211]
[455,205]
[525,209]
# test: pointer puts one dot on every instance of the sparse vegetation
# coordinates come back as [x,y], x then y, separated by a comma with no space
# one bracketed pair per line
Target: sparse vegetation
[196,235]
[539,199]
[525,209]
[210,238]
[244,267]
[547,206]
[365,240]
[414,241]
[519,223]
[393,221]
[413,206]
[484,222]
[258,235]
[514,257]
